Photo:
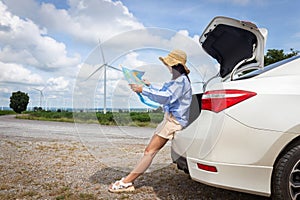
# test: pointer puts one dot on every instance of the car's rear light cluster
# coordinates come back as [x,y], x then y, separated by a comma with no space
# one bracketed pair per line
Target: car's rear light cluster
[218,100]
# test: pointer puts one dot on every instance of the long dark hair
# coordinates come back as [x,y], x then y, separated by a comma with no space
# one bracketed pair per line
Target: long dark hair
[178,70]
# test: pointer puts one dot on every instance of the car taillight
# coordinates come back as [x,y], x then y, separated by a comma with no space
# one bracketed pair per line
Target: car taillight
[218,100]
[207,167]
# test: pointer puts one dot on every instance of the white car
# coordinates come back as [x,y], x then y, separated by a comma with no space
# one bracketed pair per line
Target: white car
[244,133]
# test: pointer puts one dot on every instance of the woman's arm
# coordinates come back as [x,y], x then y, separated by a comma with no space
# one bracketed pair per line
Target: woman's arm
[168,94]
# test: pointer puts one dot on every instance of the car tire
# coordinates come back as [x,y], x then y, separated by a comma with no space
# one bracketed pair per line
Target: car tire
[286,175]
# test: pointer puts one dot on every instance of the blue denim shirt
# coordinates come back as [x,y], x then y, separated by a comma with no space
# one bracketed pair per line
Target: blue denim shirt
[176,97]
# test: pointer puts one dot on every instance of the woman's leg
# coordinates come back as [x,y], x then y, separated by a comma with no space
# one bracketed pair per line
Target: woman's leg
[155,144]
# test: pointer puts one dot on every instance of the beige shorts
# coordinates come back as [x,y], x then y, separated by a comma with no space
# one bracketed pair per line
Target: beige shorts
[168,127]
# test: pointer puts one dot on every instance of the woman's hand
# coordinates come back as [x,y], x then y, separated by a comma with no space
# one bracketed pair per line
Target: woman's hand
[146,82]
[139,88]
[136,88]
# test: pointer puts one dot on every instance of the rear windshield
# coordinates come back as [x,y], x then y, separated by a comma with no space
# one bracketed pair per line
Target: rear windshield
[267,68]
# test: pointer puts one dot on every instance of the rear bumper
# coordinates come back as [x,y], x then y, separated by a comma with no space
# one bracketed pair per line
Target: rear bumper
[233,176]
[229,176]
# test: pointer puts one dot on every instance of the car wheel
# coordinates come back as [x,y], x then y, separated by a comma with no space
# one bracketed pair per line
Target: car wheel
[286,177]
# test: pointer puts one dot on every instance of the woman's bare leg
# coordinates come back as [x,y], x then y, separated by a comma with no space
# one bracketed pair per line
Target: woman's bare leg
[155,144]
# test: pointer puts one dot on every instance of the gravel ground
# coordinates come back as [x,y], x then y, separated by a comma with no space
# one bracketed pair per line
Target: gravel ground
[47,168]
[50,169]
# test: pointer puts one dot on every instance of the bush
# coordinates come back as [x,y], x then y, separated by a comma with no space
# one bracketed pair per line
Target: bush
[128,119]
[156,117]
[140,117]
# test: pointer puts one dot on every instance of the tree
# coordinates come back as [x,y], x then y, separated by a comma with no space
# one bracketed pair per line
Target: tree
[19,101]
[36,109]
[275,55]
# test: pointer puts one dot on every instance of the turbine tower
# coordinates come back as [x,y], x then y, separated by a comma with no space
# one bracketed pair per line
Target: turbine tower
[104,66]
[41,94]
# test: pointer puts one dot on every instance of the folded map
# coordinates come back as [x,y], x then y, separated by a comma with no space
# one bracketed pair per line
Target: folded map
[135,77]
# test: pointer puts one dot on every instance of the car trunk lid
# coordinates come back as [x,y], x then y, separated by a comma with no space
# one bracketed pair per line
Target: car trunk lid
[236,45]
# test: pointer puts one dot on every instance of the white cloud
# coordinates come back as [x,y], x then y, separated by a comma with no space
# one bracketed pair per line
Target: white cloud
[4,90]
[57,84]
[85,21]
[24,42]
[131,60]
[15,73]
[102,18]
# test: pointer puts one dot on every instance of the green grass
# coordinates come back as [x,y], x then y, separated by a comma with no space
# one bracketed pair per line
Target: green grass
[110,118]
[7,112]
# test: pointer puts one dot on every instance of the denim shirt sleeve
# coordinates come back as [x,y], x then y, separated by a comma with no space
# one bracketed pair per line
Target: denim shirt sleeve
[168,94]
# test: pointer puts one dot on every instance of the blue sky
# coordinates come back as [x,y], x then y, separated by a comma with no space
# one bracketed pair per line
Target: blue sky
[49,45]
[280,17]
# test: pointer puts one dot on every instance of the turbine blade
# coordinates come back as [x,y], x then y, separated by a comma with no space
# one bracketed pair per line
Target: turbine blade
[101,51]
[94,72]
[113,68]
[199,82]
[36,89]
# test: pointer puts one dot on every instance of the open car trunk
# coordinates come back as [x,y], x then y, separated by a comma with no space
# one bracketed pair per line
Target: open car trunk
[236,45]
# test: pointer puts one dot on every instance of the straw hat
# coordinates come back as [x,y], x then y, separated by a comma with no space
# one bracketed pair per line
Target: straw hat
[175,57]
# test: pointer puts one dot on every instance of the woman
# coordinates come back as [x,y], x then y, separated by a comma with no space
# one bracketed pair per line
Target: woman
[175,96]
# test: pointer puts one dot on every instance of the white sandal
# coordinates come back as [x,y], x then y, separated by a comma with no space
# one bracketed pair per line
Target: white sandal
[120,186]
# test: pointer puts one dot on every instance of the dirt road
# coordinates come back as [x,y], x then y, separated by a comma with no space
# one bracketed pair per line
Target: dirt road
[55,160]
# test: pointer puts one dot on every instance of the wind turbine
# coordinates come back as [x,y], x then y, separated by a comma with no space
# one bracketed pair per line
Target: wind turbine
[104,66]
[41,94]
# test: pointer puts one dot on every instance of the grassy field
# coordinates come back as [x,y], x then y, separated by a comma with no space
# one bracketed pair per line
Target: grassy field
[150,119]
[7,112]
